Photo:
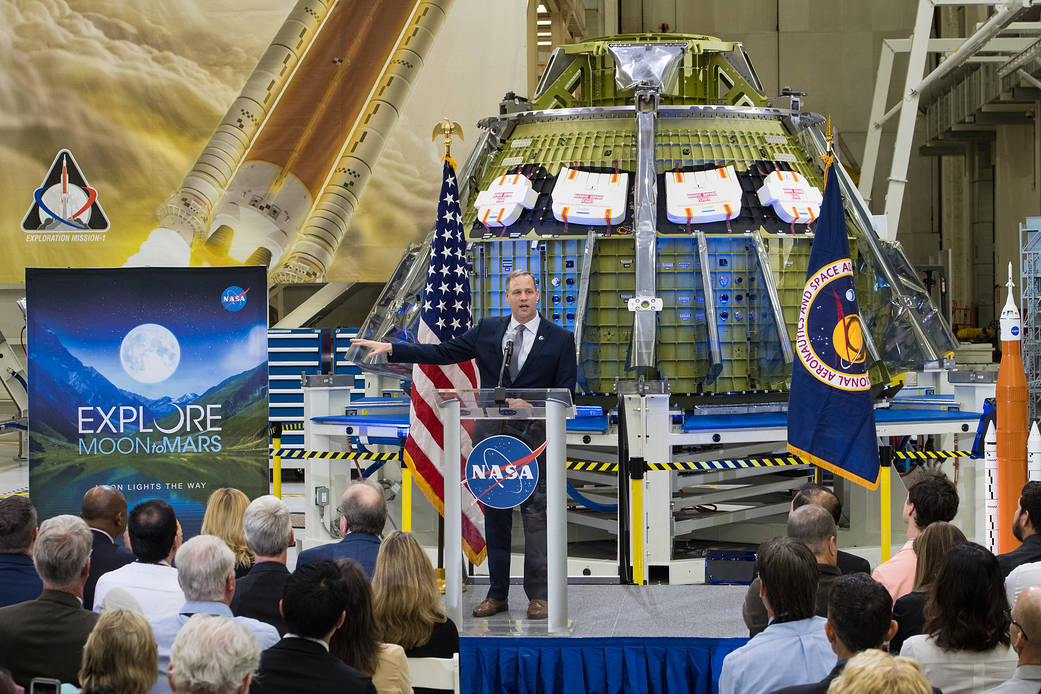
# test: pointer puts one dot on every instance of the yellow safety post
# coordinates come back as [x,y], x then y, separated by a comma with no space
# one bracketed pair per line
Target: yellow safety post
[406,498]
[276,461]
[884,506]
[637,530]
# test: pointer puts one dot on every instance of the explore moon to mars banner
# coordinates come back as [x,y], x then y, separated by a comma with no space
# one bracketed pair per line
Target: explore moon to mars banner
[153,380]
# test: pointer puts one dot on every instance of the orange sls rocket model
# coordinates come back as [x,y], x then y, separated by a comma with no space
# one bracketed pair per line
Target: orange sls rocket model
[1011,398]
[281,177]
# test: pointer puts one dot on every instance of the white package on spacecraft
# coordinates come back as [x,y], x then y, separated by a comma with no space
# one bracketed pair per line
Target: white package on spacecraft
[702,197]
[501,204]
[582,197]
[793,198]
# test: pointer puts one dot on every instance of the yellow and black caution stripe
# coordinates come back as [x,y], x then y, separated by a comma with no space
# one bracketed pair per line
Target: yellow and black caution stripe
[933,455]
[296,453]
[286,426]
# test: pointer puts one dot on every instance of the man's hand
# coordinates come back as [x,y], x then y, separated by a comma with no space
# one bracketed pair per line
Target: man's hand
[375,348]
[519,404]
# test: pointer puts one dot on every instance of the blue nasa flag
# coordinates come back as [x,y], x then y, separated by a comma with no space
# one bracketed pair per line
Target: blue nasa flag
[831,421]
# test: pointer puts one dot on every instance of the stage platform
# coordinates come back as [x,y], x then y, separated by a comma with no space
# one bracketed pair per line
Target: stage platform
[653,639]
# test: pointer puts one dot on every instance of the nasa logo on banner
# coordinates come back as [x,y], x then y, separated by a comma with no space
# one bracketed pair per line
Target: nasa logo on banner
[65,205]
[502,471]
[233,298]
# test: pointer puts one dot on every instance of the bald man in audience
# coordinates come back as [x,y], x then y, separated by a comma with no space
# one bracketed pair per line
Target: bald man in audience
[813,526]
[811,493]
[1025,634]
[104,510]
[363,513]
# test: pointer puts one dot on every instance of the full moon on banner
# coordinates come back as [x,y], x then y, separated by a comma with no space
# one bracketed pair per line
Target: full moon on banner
[502,471]
[830,334]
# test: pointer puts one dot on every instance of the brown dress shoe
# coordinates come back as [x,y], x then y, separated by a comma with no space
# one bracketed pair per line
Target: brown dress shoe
[538,609]
[489,607]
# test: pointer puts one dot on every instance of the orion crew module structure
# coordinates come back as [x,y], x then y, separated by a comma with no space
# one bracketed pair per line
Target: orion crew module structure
[666,207]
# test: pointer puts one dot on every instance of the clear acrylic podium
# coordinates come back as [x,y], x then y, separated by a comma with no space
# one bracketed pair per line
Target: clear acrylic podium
[552,405]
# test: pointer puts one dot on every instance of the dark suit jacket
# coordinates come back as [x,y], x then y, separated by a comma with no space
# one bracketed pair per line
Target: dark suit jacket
[550,362]
[299,666]
[18,579]
[909,613]
[361,547]
[258,592]
[44,637]
[851,564]
[105,556]
[1026,553]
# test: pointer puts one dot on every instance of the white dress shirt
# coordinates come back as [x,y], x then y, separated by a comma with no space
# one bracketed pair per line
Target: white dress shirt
[154,586]
[1023,576]
[527,339]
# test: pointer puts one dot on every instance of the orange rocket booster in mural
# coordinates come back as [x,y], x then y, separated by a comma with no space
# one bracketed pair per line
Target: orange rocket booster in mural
[1011,395]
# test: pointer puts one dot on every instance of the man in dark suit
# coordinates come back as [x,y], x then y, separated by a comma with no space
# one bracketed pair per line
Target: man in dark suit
[314,606]
[810,493]
[543,357]
[363,513]
[18,578]
[104,509]
[45,637]
[860,616]
[269,533]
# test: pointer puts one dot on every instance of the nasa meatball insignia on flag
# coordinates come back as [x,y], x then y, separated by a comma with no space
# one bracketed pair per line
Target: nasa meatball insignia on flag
[831,421]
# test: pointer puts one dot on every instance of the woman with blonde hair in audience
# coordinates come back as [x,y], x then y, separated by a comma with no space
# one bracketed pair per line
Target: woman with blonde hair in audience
[875,672]
[119,656]
[407,600]
[358,640]
[223,518]
[930,548]
[964,645]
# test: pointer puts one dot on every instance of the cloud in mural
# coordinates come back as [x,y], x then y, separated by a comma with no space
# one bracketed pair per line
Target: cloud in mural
[162,248]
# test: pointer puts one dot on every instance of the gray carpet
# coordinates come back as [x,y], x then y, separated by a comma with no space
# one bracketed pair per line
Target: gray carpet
[613,610]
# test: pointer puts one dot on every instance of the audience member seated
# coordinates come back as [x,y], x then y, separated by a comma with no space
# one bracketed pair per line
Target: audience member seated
[314,606]
[269,534]
[44,637]
[930,548]
[363,513]
[151,580]
[104,510]
[407,600]
[1024,621]
[1022,566]
[18,578]
[876,672]
[119,657]
[814,527]
[206,572]
[930,498]
[223,519]
[964,646]
[212,655]
[858,619]
[811,493]
[794,649]
[358,640]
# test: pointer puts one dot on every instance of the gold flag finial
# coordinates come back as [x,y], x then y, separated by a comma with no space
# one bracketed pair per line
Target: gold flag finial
[447,128]
[828,157]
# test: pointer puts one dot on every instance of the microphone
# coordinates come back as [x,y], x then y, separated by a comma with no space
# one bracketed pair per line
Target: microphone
[500,391]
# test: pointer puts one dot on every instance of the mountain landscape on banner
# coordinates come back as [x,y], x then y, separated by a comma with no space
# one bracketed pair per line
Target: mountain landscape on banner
[61,384]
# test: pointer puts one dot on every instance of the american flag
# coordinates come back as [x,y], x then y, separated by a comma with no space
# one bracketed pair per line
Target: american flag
[445,314]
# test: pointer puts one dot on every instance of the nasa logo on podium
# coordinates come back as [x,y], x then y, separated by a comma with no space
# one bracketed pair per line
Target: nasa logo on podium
[502,471]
